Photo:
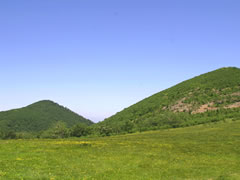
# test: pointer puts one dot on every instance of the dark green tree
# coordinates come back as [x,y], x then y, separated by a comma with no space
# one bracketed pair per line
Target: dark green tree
[80,130]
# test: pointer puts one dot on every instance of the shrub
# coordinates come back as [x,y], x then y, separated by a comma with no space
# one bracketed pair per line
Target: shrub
[79,130]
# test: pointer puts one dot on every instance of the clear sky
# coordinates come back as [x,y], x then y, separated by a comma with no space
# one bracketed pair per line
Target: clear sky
[99,56]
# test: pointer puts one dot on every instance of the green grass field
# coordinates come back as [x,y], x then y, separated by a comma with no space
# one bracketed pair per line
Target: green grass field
[202,152]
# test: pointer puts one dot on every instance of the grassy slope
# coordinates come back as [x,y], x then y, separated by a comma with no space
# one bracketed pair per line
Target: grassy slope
[38,116]
[210,151]
[217,87]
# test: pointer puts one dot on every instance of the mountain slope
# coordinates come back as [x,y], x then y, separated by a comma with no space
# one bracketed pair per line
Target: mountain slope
[39,116]
[209,97]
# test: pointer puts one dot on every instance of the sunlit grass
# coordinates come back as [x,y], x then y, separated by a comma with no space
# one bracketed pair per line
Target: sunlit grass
[201,152]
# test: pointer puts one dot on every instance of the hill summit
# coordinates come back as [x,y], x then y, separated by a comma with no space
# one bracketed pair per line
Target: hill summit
[206,98]
[39,116]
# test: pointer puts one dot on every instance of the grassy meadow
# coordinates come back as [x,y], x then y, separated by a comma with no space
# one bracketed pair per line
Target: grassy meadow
[210,151]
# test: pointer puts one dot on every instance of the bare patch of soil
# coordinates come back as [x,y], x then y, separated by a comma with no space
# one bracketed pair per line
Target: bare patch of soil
[180,106]
[236,94]
[234,105]
[204,108]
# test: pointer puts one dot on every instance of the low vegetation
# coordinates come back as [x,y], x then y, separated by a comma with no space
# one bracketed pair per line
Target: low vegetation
[209,151]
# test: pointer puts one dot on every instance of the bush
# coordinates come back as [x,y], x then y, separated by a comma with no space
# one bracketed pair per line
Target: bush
[8,135]
[79,130]
[104,131]
[59,130]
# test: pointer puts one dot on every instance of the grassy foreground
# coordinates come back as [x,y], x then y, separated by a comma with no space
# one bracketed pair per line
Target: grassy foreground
[202,152]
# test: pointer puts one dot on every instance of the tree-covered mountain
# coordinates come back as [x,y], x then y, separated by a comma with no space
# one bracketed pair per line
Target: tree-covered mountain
[39,116]
[213,96]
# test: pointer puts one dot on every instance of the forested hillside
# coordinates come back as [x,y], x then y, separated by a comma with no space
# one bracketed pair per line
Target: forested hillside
[210,97]
[38,117]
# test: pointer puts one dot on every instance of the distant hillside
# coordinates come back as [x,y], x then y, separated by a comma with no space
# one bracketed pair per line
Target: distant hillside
[209,97]
[39,116]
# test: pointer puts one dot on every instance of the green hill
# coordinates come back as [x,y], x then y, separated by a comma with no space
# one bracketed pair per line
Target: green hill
[210,97]
[39,116]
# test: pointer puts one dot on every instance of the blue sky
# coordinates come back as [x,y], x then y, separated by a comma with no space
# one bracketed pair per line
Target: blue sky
[98,57]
